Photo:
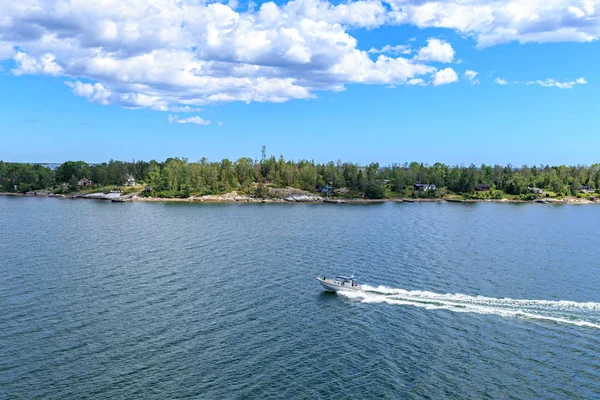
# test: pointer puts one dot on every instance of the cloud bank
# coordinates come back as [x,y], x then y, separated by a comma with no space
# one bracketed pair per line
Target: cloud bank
[492,22]
[176,55]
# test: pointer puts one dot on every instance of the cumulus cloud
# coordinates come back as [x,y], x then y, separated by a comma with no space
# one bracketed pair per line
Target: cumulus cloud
[444,76]
[492,22]
[171,55]
[416,81]
[387,49]
[561,85]
[436,50]
[471,76]
[173,119]
[95,93]
[28,65]
[500,81]
[179,55]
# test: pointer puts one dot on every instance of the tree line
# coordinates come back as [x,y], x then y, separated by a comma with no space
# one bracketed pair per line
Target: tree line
[178,177]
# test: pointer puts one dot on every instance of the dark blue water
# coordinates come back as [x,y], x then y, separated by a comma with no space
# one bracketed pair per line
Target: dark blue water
[139,300]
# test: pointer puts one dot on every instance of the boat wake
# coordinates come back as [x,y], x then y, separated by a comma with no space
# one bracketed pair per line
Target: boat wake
[562,312]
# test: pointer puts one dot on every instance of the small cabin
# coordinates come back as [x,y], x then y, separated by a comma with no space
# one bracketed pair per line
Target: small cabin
[327,189]
[482,188]
[84,182]
[536,190]
[129,180]
[421,187]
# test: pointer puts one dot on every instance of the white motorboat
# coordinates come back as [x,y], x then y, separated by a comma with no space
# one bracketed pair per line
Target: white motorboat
[338,283]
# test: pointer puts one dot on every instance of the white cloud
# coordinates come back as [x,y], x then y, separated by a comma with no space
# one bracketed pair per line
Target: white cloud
[95,93]
[184,109]
[546,83]
[28,65]
[436,50]
[357,67]
[173,119]
[444,76]
[492,22]
[387,49]
[177,55]
[471,76]
[561,85]
[416,81]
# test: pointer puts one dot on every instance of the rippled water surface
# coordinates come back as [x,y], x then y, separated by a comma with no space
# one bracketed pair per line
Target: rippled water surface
[139,300]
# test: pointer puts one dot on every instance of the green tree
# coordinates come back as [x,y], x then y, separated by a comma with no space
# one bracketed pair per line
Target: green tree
[79,169]
[374,191]
[308,176]
[244,171]
[516,185]
[575,187]
[74,182]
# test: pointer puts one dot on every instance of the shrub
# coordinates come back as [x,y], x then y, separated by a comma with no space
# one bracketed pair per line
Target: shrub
[374,191]
[528,196]
[172,194]
[261,191]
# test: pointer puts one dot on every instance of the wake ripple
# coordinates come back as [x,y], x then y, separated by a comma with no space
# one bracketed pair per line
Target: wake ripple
[562,312]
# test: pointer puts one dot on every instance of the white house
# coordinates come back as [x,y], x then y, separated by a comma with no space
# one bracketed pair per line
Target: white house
[129,180]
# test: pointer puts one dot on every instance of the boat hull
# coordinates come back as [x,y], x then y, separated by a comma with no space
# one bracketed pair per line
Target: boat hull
[335,287]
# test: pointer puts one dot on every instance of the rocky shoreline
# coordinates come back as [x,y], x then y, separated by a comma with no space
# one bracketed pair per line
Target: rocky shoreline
[296,197]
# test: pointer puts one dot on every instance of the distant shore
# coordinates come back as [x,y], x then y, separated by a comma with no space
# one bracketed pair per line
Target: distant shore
[306,199]
[365,201]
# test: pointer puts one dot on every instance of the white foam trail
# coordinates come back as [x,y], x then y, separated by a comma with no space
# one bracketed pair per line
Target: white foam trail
[564,312]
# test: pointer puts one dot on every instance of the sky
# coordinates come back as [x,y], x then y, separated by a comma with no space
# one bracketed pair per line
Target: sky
[453,81]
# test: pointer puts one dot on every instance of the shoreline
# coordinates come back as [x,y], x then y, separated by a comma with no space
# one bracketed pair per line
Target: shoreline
[225,199]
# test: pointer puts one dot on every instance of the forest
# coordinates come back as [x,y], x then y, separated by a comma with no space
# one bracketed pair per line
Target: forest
[179,177]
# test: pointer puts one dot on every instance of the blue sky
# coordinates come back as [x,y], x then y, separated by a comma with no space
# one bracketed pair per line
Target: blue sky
[219,81]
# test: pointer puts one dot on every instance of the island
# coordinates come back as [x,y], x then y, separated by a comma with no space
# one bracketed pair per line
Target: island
[277,180]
